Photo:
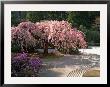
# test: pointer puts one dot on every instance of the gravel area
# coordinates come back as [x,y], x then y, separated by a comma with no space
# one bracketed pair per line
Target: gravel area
[61,67]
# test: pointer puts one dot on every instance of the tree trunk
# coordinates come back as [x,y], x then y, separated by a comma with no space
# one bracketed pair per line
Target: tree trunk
[46,48]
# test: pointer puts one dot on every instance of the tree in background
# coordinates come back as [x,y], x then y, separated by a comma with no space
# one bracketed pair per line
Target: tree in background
[70,18]
[85,18]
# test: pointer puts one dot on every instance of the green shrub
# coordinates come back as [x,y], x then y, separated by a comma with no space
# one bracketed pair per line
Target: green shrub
[15,48]
[69,51]
[73,51]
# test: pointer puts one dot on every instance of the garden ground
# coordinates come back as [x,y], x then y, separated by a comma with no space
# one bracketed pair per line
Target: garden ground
[73,65]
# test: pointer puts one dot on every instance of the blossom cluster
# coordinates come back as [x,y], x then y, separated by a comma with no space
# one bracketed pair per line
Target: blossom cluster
[22,65]
[59,33]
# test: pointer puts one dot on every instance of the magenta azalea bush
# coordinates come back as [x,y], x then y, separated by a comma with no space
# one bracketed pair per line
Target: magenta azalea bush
[24,66]
[58,33]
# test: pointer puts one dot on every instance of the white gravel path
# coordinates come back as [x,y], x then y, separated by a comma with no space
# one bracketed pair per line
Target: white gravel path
[93,50]
[61,67]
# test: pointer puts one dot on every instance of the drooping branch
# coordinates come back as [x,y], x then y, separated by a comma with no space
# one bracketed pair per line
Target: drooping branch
[58,33]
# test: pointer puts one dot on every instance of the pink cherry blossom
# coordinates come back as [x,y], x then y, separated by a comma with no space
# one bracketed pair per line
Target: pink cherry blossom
[59,33]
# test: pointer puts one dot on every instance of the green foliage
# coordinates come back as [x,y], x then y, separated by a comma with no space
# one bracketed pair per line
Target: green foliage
[73,51]
[70,51]
[92,35]
[15,48]
[14,19]
[85,18]
[71,16]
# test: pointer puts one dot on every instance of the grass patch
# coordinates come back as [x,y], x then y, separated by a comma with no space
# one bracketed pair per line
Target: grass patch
[92,73]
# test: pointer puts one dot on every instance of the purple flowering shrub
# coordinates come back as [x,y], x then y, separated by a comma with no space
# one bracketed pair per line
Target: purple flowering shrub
[24,66]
